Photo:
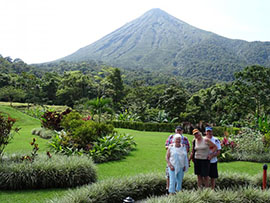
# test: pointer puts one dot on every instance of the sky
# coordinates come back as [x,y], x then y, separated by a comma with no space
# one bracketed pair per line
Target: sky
[39,31]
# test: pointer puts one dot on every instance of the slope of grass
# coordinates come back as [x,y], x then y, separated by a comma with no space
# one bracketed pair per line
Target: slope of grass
[20,141]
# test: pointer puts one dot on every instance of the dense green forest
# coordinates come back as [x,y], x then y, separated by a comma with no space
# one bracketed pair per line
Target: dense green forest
[144,96]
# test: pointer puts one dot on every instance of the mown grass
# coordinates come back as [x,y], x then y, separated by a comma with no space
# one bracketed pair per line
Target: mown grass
[147,158]
[21,141]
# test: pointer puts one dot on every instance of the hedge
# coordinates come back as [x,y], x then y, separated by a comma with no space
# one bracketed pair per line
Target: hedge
[169,127]
[55,172]
[249,195]
[157,127]
[219,130]
[142,186]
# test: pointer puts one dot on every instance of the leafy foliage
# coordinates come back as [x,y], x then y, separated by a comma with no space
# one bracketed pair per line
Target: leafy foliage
[6,124]
[98,106]
[111,147]
[52,119]
[250,146]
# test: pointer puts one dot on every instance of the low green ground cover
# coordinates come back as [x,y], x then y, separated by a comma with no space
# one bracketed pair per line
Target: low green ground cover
[149,157]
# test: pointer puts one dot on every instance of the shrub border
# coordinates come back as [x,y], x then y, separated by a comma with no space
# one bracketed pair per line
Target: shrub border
[56,172]
[145,185]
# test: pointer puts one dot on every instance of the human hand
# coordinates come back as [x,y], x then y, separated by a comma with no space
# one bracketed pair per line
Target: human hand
[171,167]
[209,157]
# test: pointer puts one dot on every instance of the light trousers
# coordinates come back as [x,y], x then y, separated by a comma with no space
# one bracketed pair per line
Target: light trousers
[176,180]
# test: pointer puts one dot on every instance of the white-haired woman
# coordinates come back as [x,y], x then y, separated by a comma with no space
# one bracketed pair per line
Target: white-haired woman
[178,164]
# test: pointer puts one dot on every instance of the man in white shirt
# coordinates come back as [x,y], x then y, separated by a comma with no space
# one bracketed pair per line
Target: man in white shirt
[213,174]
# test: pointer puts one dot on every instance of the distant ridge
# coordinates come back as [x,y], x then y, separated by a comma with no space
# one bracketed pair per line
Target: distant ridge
[159,41]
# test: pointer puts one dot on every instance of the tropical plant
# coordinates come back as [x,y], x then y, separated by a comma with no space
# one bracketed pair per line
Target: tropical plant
[99,106]
[227,147]
[112,147]
[52,119]
[127,116]
[163,117]
[6,132]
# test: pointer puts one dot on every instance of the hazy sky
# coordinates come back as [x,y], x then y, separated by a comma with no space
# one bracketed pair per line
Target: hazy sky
[44,30]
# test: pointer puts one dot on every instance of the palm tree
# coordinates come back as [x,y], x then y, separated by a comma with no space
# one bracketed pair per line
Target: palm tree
[98,106]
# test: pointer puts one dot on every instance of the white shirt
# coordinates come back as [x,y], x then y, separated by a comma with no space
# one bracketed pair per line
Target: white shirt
[217,143]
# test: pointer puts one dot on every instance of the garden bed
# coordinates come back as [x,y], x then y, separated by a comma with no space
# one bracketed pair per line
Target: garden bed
[44,172]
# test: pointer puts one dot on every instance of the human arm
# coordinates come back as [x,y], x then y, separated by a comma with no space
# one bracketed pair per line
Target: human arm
[191,156]
[168,155]
[214,154]
[168,142]
[212,147]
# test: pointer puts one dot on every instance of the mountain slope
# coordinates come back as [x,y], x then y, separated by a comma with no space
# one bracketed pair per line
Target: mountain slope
[159,41]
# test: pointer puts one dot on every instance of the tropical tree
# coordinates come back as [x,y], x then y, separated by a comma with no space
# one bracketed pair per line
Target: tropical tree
[173,100]
[254,82]
[99,106]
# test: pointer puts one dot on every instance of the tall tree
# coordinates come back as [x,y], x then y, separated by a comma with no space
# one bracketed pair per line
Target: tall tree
[254,81]
[173,100]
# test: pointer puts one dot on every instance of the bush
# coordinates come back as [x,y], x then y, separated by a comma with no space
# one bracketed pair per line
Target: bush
[71,121]
[230,187]
[115,190]
[250,146]
[223,196]
[62,143]
[43,133]
[44,172]
[89,132]
[35,112]
[112,147]
[6,124]
[52,119]
[249,141]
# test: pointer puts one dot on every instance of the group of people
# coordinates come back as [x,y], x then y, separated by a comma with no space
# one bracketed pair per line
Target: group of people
[205,150]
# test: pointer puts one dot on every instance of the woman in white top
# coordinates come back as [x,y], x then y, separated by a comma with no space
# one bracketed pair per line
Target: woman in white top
[178,164]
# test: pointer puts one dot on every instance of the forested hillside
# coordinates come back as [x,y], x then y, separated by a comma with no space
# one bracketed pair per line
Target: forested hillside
[157,41]
[138,99]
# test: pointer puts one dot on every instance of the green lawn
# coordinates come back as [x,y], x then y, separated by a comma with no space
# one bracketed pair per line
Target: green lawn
[148,157]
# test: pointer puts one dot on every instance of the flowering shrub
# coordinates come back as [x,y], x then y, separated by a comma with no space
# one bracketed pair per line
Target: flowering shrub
[250,146]
[6,124]
[227,147]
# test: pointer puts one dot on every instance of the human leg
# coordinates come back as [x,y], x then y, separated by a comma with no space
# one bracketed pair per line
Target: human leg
[179,180]
[205,181]
[167,178]
[172,181]
[213,174]
[199,181]
[213,183]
